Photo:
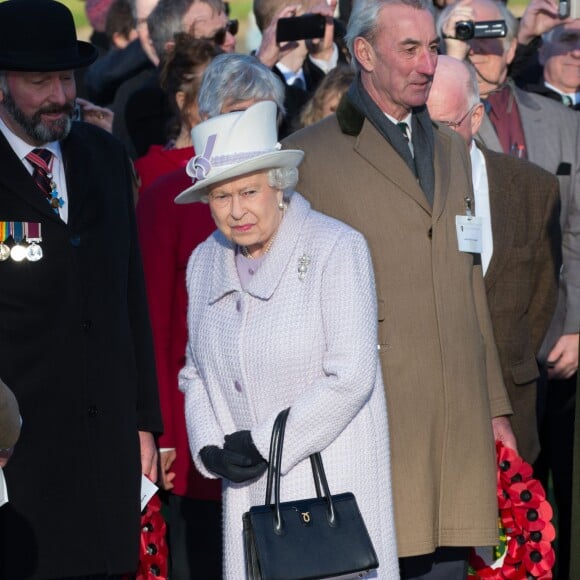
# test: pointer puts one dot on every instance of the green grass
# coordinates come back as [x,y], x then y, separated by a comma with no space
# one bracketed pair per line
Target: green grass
[77,7]
[240,8]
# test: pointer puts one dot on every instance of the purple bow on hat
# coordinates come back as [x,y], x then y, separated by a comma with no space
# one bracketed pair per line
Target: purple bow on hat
[199,167]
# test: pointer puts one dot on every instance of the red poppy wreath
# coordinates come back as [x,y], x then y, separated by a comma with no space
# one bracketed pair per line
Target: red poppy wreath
[153,549]
[525,529]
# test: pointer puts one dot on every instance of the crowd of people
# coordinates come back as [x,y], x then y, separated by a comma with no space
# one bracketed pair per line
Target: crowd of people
[378,228]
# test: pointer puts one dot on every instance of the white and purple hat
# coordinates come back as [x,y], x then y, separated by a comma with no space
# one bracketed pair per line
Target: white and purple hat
[235,144]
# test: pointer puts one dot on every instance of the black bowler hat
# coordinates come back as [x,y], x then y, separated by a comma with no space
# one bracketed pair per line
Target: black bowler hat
[40,36]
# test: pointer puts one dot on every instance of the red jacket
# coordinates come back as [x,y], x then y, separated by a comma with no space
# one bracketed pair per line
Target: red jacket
[168,234]
[160,161]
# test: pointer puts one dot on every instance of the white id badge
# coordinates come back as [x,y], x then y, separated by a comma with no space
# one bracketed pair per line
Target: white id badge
[469,233]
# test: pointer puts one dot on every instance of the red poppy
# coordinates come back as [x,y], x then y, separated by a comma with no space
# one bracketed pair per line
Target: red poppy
[153,549]
[512,468]
[533,518]
[527,493]
[539,559]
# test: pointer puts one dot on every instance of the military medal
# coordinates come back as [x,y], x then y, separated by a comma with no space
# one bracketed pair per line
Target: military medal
[4,252]
[55,201]
[4,249]
[18,252]
[32,233]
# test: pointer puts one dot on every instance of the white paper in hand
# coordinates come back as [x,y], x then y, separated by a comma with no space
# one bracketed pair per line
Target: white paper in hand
[148,490]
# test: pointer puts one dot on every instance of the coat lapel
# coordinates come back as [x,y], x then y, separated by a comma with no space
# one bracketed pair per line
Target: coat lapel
[378,152]
[488,136]
[441,163]
[502,209]
[372,147]
[534,125]
[77,168]
[269,275]
[226,279]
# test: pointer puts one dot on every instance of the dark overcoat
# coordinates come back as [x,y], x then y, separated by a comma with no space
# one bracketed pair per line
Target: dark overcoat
[75,347]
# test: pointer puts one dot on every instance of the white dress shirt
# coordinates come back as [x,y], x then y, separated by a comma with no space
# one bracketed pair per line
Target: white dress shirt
[22,149]
[574,97]
[482,206]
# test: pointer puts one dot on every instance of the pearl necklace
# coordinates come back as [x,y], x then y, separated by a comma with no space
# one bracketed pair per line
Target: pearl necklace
[246,252]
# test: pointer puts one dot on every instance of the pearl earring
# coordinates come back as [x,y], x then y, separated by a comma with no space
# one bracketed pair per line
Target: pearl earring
[281,205]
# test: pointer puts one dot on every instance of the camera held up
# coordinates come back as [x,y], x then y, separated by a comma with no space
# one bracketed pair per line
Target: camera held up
[468,29]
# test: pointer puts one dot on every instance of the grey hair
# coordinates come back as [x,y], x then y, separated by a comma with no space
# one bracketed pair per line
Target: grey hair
[237,77]
[511,21]
[165,21]
[283,178]
[363,21]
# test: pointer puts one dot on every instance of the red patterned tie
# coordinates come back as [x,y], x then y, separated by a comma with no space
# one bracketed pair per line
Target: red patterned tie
[41,160]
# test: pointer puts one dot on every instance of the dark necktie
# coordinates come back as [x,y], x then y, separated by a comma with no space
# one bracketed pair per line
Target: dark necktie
[299,83]
[41,160]
[404,127]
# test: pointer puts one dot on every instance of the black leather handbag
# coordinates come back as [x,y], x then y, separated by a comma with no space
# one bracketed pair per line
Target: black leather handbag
[322,537]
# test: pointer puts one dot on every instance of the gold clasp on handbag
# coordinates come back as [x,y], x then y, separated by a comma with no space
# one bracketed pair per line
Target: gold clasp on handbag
[305,517]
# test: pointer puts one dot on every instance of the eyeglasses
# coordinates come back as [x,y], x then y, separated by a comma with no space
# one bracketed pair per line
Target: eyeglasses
[219,36]
[456,124]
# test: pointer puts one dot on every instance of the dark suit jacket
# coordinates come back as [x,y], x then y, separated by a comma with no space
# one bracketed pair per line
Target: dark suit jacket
[75,347]
[521,281]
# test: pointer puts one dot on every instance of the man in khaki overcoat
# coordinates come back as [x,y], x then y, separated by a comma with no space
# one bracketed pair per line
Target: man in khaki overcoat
[403,187]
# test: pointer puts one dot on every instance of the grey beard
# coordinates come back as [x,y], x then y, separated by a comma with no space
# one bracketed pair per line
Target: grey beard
[33,126]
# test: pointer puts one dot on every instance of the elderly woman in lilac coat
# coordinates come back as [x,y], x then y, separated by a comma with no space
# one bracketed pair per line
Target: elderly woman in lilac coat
[282,313]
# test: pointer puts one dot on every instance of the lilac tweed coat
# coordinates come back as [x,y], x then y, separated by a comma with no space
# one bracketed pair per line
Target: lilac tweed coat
[309,342]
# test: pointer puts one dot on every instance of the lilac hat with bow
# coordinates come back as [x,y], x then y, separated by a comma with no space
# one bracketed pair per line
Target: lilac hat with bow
[235,144]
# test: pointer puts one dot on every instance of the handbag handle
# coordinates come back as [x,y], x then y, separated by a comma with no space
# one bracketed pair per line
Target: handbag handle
[274,468]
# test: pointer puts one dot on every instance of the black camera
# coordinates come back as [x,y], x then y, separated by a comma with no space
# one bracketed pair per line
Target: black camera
[468,29]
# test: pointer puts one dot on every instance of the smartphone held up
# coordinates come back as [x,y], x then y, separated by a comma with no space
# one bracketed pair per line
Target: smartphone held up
[300,27]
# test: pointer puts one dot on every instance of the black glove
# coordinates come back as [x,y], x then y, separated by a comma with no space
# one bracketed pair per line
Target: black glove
[241,442]
[231,465]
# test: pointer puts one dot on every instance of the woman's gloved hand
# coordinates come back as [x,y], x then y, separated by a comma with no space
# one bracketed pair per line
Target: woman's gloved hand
[233,466]
[241,442]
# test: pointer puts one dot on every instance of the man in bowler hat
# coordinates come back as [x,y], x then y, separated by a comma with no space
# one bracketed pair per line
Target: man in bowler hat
[75,344]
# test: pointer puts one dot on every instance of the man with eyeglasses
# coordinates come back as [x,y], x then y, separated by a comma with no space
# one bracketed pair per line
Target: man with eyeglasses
[209,21]
[518,204]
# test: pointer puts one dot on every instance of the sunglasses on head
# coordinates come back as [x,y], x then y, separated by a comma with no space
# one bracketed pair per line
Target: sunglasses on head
[220,35]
